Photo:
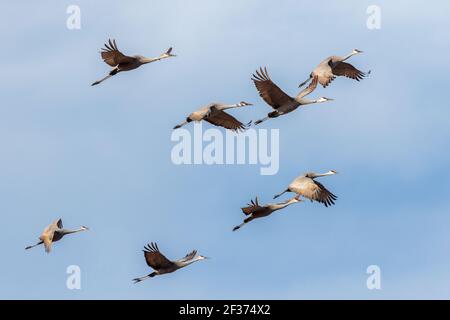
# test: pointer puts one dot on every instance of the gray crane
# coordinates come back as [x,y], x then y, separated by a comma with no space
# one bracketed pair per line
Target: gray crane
[54,232]
[156,260]
[333,67]
[215,114]
[120,62]
[254,210]
[278,99]
[307,187]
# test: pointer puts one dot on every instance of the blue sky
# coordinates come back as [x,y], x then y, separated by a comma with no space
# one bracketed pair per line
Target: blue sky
[100,156]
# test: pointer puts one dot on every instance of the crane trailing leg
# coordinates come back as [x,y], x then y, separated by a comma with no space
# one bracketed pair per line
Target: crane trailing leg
[273,114]
[151,275]
[111,73]
[306,81]
[261,120]
[183,123]
[280,194]
[246,220]
[35,245]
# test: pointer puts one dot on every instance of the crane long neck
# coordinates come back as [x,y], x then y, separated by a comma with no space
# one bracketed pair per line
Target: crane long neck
[67,231]
[186,263]
[323,174]
[150,60]
[304,101]
[230,106]
[282,205]
[351,54]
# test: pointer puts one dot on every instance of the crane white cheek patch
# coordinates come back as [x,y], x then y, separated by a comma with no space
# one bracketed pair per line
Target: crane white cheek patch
[218,147]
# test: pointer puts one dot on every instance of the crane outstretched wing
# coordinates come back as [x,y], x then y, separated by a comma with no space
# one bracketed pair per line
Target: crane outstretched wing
[189,256]
[51,228]
[312,86]
[47,243]
[55,224]
[252,207]
[324,72]
[222,119]
[269,91]
[349,71]
[322,195]
[326,80]
[154,258]
[112,56]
